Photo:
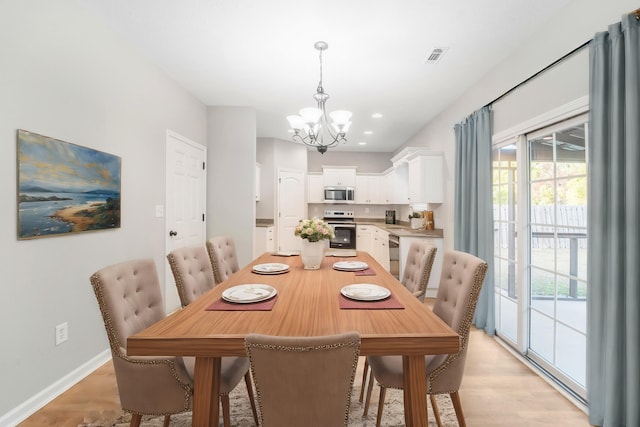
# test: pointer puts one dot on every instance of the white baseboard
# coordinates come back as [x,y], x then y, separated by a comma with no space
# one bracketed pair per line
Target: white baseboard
[37,401]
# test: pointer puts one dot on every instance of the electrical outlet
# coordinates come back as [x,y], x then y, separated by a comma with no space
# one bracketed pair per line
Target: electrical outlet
[62,333]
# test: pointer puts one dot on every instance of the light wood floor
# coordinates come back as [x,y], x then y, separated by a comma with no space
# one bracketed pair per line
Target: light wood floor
[497,390]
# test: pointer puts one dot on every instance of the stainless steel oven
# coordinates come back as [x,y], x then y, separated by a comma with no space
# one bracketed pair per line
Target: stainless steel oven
[344,227]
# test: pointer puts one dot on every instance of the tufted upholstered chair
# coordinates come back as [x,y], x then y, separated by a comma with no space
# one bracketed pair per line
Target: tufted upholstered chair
[460,283]
[192,272]
[130,300]
[418,268]
[222,253]
[304,380]
[416,275]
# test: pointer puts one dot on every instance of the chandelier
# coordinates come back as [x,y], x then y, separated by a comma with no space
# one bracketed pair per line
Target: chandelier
[312,126]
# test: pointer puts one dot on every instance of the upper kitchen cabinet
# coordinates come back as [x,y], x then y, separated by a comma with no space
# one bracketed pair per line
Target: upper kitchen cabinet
[339,176]
[395,189]
[369,189]
[426,178]
[315,188]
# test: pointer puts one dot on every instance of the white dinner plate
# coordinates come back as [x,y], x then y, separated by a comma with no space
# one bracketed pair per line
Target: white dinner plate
[350,265]
[252,292]
[271,268]
[365,292]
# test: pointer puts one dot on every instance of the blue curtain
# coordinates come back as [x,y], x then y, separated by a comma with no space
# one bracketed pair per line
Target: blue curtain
[613,295]
[473,209]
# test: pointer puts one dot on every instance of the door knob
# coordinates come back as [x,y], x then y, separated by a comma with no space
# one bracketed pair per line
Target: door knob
[173,233]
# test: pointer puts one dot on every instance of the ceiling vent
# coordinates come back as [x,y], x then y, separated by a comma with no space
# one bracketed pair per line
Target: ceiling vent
[435,55]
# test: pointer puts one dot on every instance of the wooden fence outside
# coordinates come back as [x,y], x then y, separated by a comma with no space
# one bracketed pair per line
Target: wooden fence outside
[571,219]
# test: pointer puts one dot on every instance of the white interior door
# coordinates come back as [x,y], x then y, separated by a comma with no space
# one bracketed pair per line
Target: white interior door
[185,202]
[291,208]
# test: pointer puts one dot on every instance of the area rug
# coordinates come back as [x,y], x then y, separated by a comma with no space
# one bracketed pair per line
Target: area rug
[241,416]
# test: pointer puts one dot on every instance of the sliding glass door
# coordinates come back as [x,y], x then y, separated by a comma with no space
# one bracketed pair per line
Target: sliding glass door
[540,249]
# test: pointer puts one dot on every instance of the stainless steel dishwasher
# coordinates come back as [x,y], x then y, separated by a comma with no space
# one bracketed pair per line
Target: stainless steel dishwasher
[394,255]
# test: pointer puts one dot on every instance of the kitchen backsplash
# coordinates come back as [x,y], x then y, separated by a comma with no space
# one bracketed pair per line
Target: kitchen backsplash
[361,211]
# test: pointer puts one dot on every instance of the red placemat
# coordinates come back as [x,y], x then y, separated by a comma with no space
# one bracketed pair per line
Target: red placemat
[222,305]
[368,272]
[385,304]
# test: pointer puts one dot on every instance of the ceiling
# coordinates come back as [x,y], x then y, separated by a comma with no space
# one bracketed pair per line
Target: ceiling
[260,54]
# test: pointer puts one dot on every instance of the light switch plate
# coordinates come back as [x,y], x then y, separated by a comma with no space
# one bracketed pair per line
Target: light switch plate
[159,211]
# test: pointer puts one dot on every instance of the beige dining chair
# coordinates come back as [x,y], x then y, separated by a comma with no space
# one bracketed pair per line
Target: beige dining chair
[192,272]
[415,278]
[130,300]
[222,253]
[417,268]
[304,380]
[460,283]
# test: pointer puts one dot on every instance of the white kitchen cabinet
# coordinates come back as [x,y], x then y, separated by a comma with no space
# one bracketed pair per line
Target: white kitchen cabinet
[436,269]
[263,240]
[369,189]
[380,247]
[395,183]
[363,238]
[258,181]
[426,178]
[375,241]
[315,191]
[339,177]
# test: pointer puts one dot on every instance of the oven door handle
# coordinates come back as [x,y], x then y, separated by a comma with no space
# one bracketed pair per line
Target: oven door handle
[341,224]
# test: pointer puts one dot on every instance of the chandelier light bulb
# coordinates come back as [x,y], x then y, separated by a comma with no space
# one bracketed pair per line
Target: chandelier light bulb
[340,117]
[296,122]
[311,115]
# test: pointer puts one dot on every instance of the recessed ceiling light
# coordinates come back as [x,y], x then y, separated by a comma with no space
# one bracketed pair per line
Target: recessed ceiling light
[368,132]
[376,115]
[362,143]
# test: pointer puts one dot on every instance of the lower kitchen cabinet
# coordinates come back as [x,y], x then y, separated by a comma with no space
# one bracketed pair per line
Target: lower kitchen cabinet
[436,270]
[380,247]
[263,241]
[375,241]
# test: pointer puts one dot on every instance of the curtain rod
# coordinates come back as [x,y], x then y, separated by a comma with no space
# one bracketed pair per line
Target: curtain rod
[582,46]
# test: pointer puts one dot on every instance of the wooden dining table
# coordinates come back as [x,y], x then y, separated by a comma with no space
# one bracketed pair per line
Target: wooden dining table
[308,303]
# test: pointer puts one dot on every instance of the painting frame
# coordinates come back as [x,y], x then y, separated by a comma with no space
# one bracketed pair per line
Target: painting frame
[64,188]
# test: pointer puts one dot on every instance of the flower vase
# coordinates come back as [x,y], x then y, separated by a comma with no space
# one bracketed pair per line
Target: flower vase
[312,254]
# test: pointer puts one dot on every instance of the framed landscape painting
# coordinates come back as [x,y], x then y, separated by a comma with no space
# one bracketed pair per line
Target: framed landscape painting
[65,188]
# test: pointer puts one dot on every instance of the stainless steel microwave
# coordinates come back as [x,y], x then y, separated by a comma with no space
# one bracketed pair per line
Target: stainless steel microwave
[339,194]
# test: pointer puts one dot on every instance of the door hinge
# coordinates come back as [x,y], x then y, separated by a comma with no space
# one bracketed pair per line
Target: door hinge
[202,217]
[203,166]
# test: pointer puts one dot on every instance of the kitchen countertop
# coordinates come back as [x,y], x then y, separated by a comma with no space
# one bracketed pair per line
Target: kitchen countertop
[263,222]
[401,230]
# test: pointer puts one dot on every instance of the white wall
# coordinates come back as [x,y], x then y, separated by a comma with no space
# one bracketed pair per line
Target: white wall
[231,176]
[366,162]
[574,25]
[65,75]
